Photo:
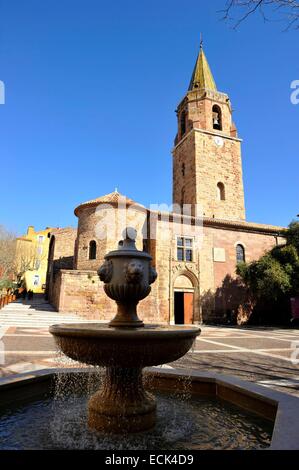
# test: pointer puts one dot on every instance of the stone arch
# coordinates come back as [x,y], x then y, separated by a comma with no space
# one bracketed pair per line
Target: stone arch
[185,306]
[220,191]
[240,253]
[189,275]
[183,282]
[217,117]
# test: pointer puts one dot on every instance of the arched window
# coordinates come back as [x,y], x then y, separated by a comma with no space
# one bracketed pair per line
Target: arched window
[183,123]
[220,192]
[240,253]
[183,169]
[217,117]
[92,250]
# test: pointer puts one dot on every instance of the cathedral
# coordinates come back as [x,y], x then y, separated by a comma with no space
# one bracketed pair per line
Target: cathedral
[195,255]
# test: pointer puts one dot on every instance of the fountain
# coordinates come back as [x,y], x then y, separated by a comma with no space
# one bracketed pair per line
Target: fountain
[124,346]
[196,410]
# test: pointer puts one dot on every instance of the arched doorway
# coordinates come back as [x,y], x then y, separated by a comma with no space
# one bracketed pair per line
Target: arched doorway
[183,300]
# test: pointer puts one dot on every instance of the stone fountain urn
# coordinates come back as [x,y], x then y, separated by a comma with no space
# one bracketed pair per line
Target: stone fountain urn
[124,346]
[127,275]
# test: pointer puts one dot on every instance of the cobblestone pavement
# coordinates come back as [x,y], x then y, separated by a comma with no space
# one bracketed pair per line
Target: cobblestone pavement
[25,342]
[266,356]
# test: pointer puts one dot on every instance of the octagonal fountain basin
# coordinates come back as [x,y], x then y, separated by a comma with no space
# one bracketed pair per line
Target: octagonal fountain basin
[47,410]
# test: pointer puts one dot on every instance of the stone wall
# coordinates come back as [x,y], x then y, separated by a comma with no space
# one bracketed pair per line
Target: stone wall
[219,164]
[64,240]
[221,291]
[61,256]
[81,292]
[105,228]
[211,274]
[199,164]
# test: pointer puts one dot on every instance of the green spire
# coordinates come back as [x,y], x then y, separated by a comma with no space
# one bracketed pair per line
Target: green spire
[202,76]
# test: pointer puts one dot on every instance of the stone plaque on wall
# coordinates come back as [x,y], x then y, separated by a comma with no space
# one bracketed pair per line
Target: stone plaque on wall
[219,255]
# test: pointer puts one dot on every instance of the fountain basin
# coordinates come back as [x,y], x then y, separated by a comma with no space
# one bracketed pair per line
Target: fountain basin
[121,404]
[278,408]
[99,344]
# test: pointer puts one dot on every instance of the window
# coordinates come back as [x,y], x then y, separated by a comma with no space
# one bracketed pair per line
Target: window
[36,280]
[183,169]
[40,239]
[184,249]
[182,198]
[240,253]
[92,250]
[220,192]
[217,118]
[37,264]
[183,123]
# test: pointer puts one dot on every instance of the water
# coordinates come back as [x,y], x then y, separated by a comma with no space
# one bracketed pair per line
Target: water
[191,423]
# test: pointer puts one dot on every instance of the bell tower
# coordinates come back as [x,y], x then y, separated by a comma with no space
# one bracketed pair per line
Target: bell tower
[207,166]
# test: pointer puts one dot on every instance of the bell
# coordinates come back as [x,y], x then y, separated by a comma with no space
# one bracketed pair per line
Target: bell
[216,121]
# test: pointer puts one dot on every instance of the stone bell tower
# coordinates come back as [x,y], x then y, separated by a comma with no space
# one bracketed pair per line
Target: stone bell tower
[207,166]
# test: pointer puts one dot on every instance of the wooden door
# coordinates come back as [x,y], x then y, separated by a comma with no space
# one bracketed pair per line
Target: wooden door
[188,307]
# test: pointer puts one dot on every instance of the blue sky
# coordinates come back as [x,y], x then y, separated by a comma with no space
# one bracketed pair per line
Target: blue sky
[91,89]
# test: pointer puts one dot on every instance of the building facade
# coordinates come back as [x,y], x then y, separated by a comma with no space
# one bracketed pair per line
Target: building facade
[195,255]
[32,258]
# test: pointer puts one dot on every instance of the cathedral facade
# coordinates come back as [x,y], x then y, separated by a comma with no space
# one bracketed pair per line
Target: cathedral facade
[195,254]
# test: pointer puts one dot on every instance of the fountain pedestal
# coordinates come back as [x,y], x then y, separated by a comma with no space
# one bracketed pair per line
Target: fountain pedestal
[122,404]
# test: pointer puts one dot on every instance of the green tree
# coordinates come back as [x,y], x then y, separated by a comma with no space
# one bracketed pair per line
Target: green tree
[292,235]
[274,278]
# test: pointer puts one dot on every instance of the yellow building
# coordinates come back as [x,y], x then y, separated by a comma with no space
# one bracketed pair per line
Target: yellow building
[32,259]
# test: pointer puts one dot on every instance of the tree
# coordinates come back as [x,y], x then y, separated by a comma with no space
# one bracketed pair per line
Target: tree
[274,278]
[27,258]
[267,278]
[7,255]
[293,235]
[17,256]
[286,11]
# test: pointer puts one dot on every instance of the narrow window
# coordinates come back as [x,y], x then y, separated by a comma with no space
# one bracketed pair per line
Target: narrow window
[217,118]
[183,169]
[220,192]
[182,198]
[37,264]
[240,254]
[183,123]
[184,249]
[92,250]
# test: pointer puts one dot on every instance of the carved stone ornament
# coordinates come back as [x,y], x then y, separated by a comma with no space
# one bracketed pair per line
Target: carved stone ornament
[152,275]
[133,272]
[105,271]
[184,267]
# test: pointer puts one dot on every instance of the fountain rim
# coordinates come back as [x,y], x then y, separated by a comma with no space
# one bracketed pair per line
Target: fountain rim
[149,332]
[128,254]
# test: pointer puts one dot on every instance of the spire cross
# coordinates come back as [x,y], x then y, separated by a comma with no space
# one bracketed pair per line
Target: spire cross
[201,41]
